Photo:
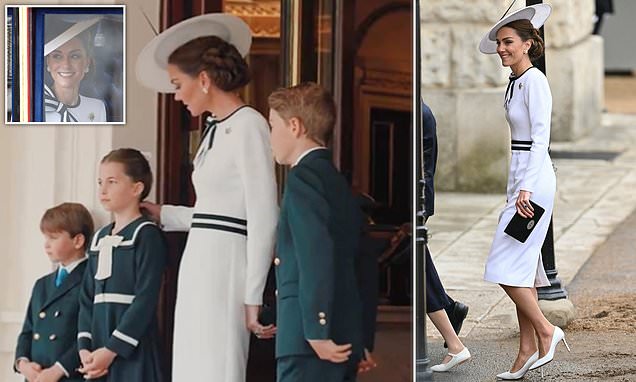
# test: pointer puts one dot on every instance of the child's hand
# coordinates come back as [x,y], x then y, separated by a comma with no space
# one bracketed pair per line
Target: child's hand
[51,374]
[30,370]
[85,357]
[367,363]
[327,350]
[98,363]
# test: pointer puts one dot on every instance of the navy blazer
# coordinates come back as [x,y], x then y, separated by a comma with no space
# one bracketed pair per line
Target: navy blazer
[317,247]
[49,332]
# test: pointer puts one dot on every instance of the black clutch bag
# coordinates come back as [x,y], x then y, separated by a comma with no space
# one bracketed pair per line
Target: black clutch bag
[520,228]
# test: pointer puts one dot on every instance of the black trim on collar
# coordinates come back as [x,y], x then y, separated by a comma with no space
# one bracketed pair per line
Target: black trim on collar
[233,112]
[513,77]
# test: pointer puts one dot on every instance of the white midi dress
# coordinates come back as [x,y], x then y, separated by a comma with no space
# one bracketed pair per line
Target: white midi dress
[229,248]
[528,104]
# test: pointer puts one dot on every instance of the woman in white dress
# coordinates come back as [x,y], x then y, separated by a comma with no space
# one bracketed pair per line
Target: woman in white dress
[68,60]
[232,224]
[517,266]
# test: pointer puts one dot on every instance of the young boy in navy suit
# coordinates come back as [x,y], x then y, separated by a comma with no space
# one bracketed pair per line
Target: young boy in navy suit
[47,345]
[319,317]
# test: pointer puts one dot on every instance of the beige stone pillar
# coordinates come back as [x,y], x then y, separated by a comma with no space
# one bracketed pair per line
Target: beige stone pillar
[464,89]
[574,62]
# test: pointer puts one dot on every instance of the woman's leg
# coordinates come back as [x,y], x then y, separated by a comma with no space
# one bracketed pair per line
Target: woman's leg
[526,301]
[527,342]
[443,325]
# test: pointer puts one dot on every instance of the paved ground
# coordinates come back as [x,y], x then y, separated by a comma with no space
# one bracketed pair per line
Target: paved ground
[603,338]
[620,93]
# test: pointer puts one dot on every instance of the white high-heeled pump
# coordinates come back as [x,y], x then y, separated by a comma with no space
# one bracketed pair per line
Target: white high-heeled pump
[557,337]
[456,359]
[510,376]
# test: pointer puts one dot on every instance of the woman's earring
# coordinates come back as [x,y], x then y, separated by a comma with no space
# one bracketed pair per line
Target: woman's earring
[48,69]
[86,70]
[204,90]
[525,52]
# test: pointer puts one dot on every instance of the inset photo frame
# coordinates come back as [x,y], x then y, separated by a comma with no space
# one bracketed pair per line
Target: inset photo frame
[65,64]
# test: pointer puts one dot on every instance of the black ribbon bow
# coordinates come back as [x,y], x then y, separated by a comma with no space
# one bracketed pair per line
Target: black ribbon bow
[51,101]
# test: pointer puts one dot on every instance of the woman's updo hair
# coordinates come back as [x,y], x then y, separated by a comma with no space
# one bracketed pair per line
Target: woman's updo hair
[527,31]
[218,58]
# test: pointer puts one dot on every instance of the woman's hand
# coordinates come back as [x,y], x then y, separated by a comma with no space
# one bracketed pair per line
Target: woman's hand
[152,210]
[524,208]
[251,321]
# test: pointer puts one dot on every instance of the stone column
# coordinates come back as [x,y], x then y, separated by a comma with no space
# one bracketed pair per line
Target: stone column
[574,63]
[464,88]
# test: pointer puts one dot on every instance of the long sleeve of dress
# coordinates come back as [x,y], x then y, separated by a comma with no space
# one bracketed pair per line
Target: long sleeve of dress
[255,164]
[176,218]
[538,100]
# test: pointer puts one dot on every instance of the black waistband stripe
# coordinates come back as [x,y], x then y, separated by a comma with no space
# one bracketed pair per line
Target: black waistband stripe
[222,218]
[220,227]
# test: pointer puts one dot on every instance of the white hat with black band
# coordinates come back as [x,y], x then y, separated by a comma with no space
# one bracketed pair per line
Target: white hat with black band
[537,14]
[69,34]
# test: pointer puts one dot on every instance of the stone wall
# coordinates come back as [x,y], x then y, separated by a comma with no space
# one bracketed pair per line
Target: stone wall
[465,88]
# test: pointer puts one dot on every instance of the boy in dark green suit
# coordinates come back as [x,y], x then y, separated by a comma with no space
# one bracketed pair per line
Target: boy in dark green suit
[47,345]
[319,318]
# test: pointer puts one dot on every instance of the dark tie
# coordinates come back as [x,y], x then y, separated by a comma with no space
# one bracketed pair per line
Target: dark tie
[61,276]
[210,127]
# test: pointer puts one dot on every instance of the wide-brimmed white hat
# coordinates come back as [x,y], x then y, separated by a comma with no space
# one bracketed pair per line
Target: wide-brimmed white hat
[153,59]
[537,14]
[68,34]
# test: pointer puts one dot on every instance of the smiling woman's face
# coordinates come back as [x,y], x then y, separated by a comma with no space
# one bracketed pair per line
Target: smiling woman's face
[510,47]
[68,64]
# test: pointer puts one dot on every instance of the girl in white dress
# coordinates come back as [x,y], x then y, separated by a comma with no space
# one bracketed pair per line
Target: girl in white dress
[517,266]
[233,222]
